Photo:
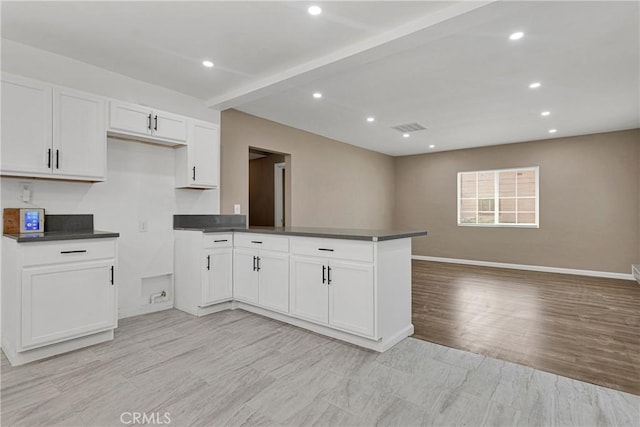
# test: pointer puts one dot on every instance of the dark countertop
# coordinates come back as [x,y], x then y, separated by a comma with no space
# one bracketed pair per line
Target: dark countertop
[196,222]
[64,227]
[50,236]
[328,233]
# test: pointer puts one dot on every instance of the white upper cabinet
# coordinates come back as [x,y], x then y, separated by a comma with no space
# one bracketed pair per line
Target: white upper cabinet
[169,126]
[26,126]
[147,124]
[198,164]
[129,119]
[59,133]
[51,132]
[79,135]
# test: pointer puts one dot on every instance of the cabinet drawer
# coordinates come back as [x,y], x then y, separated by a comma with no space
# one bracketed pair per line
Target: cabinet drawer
[68,251]
[262,241]
[218,240]
[333,248]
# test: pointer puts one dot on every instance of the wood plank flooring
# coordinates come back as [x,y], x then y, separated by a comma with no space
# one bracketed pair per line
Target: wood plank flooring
[235,368]
[585,328]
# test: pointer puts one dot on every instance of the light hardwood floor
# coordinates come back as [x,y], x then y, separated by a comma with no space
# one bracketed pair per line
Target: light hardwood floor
[586,328]
[236,368]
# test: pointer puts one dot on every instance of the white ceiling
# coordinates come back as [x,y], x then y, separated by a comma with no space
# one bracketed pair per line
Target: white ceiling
[446,65]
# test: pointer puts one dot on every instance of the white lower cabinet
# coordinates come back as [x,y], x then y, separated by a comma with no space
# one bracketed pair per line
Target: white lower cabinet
[351,299]
[57,296]
[203,270]
[65,301]
[309,290]
[245,285]
[273,288]
[353,290]
[262,278]
[218,280]
[337,293]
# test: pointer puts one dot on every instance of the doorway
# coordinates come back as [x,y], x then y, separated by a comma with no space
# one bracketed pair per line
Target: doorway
[278,193]
[267,188]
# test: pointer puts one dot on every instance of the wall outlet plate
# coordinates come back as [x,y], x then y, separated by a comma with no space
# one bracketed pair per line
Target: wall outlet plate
[236,209]
[25,191]
[143,226]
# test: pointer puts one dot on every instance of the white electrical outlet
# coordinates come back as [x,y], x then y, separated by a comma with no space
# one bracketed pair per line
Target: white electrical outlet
[25,189]
[143,226]
[236,209]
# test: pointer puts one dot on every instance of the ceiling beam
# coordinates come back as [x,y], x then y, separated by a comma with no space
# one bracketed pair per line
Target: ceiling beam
[305,71]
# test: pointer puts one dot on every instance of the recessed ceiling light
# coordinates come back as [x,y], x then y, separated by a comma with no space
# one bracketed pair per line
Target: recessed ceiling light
[371,119]
[432,146]
[207,63]
[545,113]
[553,130]
[314,10]
[535,85]
[317,95]
[405,135]
[516,36]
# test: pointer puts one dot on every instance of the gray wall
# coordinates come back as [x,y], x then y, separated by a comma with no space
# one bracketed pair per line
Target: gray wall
[589,203]
[328,183]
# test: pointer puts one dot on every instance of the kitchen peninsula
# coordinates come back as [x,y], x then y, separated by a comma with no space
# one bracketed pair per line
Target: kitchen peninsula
[352,285]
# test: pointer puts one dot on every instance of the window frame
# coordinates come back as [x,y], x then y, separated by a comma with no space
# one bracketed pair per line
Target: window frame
[496,172]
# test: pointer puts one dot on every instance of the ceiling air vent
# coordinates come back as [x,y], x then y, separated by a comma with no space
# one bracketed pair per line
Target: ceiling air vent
[409,127]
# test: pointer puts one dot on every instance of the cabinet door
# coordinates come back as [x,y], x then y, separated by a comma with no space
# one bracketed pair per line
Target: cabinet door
[26,126]
[351,297]
[169,126]
[129,118]
[245,283]
[65,301]
[274,281]
[79,134]
[218,285]
[204,150]
[309,295]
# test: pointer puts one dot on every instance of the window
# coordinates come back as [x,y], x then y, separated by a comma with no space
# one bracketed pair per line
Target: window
[498,198]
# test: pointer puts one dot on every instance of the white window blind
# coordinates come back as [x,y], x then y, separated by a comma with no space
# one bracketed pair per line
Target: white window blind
[497,198]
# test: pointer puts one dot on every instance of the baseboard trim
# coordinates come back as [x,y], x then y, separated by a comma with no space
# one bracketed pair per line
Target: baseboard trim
[592,273]
[377,345]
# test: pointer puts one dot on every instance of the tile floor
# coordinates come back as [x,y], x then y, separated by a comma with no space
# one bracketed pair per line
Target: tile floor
[236,368]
